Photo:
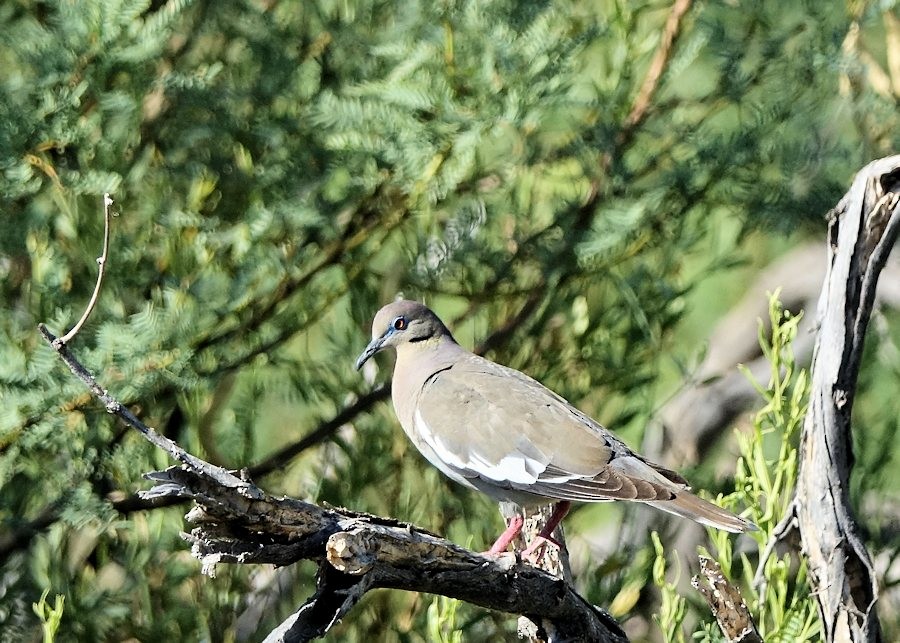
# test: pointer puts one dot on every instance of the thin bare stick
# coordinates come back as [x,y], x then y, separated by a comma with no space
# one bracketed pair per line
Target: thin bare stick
[114,407]
[641,104]
[101,262]
[112,404]
[657,66]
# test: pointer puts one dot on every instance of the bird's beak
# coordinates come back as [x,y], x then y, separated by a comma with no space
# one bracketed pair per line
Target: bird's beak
[374,346]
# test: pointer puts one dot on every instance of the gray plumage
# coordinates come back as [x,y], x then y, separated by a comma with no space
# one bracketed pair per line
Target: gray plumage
[501,432]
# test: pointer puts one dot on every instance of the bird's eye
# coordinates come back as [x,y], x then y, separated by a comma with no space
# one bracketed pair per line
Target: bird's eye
[399,323]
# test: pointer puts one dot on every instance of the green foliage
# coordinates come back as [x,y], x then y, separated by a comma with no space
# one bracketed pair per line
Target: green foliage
[280,170]
[49,616]
[673,607]
[784,607]
[442,621]
[780,599]
[778,594]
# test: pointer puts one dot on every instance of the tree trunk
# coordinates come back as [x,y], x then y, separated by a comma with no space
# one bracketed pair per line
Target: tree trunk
[862,230]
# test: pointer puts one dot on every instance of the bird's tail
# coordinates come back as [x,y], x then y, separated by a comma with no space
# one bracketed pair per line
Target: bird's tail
[687,505]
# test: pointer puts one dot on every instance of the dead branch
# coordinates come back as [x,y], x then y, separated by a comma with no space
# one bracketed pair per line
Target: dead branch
[726,603]
[236,522]
[114,407]
[359,552]
[862,231]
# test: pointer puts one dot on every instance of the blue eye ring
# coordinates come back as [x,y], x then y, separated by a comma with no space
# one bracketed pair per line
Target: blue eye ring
[399,323]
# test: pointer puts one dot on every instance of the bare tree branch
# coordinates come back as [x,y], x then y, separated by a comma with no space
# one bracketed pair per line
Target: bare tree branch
[862,231]
[151,435]
[726,603]
[359,552]
[21,536]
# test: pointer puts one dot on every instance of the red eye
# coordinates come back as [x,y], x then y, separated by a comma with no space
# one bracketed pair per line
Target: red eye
[399,323]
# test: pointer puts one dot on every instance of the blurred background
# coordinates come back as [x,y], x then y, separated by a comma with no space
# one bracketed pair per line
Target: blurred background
[597,193]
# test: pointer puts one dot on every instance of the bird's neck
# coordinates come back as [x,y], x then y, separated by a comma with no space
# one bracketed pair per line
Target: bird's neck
[424,358]
[416,363]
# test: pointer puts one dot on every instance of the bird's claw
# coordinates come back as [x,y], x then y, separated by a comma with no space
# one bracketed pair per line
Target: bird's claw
[536,550]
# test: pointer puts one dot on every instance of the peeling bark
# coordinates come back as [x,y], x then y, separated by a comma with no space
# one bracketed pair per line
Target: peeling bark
[862,231]
[726,603]
[359,552]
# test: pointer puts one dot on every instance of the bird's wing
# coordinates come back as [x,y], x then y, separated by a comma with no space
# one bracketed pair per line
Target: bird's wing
[490,422]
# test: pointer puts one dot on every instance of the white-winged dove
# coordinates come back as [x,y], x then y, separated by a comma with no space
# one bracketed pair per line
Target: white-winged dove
[499,431]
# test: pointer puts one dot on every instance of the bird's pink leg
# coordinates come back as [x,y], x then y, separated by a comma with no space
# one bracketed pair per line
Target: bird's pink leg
[513,527]
[536,549]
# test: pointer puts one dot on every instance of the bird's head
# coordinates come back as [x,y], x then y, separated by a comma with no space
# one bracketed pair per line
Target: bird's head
[402,322]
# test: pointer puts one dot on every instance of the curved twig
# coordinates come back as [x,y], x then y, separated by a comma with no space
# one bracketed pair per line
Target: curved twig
[101,262]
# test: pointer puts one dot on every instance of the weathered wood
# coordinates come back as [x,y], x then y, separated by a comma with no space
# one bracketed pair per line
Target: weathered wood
[862,231]
[360,552]
[726,603]
[555,561]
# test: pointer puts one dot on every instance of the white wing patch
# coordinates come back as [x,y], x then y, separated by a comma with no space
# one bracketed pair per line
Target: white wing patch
[514,467]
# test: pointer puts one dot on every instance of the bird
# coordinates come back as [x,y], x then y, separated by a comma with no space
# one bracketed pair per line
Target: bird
[496,430]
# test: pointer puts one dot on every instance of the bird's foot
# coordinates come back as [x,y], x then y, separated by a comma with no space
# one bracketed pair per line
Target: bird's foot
[538,547]
[513,527]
